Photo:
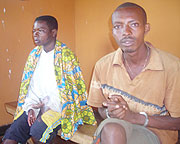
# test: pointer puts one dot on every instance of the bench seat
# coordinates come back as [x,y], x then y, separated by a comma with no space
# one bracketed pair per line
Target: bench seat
[84,135]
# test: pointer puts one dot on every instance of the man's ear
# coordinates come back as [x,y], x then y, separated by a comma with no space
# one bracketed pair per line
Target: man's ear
[54,32]
[113,33]
[147,28]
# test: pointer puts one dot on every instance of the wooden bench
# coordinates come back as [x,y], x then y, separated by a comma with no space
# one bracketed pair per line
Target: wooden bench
[84,135]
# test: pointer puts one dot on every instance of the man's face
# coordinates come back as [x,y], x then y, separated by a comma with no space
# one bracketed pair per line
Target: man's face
[42,34]
[129,28]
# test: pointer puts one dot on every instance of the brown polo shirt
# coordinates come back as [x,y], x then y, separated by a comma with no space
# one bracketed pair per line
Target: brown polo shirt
[156,90]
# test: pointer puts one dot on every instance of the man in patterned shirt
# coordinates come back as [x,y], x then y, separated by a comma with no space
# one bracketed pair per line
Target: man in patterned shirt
[52,93]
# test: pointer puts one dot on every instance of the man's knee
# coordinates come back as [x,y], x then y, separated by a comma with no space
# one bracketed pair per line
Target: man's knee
[114,129]
[114,133]
[38,129]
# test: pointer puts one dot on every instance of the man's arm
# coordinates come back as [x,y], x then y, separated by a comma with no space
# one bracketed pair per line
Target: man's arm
[164,122]
[121,110]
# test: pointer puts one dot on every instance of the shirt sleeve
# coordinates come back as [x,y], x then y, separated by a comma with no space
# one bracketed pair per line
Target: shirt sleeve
[96,97]
[31,99]
[172,98]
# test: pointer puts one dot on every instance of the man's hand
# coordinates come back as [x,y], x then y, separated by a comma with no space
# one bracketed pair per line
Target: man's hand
[37,106]
[31,113]
[31,117]
[118,107]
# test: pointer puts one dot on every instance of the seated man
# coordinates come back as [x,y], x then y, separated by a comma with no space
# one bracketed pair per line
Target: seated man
[52,93]
[137,87]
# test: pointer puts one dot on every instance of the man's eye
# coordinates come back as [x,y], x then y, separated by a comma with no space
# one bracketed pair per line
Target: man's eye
[41,30]
[117,27]
[135,24]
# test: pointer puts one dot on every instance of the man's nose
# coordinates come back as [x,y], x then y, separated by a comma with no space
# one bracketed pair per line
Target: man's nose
[36,33]
[127,30]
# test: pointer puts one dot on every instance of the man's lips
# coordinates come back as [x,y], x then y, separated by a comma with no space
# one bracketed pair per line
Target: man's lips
[127,41]
[36,40]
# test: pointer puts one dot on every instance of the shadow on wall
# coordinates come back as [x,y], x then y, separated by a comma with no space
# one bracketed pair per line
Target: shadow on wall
[113,41]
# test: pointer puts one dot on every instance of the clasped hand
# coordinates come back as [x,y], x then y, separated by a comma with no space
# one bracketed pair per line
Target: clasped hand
[117,107]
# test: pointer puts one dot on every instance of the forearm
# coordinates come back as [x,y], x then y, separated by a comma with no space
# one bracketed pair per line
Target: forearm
[164,122]
[159,122]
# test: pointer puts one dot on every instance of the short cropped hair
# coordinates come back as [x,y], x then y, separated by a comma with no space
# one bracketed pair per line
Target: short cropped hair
[129,4]
[50,20]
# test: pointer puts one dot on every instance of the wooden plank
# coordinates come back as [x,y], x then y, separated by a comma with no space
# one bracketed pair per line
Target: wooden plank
[11,107]
[84,135]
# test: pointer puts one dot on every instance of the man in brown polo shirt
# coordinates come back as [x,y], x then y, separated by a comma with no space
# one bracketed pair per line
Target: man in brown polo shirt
[137,87]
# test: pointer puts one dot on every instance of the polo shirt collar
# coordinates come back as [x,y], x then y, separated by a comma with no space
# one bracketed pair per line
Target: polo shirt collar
[117,60]
[155,62]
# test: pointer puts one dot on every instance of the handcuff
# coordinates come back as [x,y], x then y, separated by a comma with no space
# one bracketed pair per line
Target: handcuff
[146,120]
